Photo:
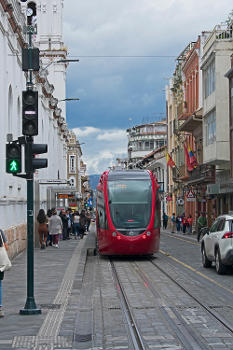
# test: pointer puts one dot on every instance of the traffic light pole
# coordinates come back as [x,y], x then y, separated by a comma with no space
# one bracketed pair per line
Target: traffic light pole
[30,307]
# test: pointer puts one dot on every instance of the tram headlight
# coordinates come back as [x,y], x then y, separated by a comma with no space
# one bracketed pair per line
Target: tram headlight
[148,233]
[114,234]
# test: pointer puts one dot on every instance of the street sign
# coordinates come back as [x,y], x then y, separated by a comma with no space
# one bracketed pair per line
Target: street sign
[53,182]
[65,195]
[89,202]
[191,197]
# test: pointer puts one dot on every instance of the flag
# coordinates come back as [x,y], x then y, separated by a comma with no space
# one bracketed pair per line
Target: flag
[193,159]
[170,161]
[189,165]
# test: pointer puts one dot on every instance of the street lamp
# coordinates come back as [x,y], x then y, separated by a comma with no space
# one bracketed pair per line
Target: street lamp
[59,61]
[69,99]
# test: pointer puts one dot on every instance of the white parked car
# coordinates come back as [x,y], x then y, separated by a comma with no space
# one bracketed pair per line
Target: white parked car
[217,244]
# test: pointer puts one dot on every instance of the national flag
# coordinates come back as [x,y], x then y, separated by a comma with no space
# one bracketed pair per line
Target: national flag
[193,159]
[189,165]
[170,161]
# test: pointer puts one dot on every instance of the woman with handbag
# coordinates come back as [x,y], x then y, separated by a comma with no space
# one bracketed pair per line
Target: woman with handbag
[4,264]
[42,228]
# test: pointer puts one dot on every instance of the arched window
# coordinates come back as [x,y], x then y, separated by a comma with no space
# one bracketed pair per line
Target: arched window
[10,110]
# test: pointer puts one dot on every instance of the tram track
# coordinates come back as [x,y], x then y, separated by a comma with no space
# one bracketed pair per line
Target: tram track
[176,324]
[133,328]
[197,300]
[173,317]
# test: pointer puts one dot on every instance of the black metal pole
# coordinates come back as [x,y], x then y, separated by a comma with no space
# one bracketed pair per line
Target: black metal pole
[30,307]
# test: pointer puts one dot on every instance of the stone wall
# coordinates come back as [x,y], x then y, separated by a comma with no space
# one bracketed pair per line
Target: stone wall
[16,237]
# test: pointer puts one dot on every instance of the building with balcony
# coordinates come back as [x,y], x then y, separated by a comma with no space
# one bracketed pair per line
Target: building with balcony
[74,154]
[156,162]
[229,75]
[190,126]
[216,61]
[145,138]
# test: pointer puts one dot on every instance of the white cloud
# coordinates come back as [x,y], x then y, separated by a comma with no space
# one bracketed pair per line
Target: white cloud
[86,131]
[126,86]
[112,135]
[101,147]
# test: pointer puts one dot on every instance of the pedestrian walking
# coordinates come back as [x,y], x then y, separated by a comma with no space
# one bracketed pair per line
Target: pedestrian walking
[76,226]
[165,220]
[201,223]
[55,227]
[70,222]
[178,222]
[173,220]
[190,224]
[42,228]
[64,220]
[4,264]
[82,223]
[49,237]
[184,224]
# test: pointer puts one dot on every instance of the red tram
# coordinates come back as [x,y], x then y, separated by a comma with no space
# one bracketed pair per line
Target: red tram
[128,213]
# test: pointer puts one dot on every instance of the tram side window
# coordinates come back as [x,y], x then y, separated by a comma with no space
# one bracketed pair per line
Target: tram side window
[157,223]
[102,217]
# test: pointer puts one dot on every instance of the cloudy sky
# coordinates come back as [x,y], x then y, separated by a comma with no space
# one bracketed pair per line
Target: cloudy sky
[127,51]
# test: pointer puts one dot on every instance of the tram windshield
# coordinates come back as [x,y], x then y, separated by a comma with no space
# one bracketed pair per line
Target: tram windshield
[130,203]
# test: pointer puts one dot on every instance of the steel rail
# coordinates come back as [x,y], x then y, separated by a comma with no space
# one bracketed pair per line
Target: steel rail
[187,339]
[128,313]
[211,312]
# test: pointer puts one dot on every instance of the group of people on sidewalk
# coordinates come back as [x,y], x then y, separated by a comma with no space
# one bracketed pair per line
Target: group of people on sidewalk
[183,223]
[52,227]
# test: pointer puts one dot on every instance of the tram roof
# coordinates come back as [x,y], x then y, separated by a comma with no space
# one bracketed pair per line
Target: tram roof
[128,175]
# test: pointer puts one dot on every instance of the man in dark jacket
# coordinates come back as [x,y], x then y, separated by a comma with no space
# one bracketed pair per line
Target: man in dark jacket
[82,223]
[201,223]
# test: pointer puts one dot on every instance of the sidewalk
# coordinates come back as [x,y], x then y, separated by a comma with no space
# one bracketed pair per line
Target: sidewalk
[191,237]
[57,275]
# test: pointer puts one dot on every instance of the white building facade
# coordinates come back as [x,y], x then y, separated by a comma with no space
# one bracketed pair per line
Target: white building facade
[142,139]
[52,118]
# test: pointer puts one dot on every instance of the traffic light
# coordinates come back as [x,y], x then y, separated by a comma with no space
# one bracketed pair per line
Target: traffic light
[30,112]
[32,163]
[13,158]
[34,64]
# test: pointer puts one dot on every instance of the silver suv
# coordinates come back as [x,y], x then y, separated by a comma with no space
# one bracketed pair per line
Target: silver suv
[217,244]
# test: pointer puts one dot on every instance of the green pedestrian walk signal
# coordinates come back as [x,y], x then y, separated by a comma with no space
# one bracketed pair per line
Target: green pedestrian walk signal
[14,166]
[13,158]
